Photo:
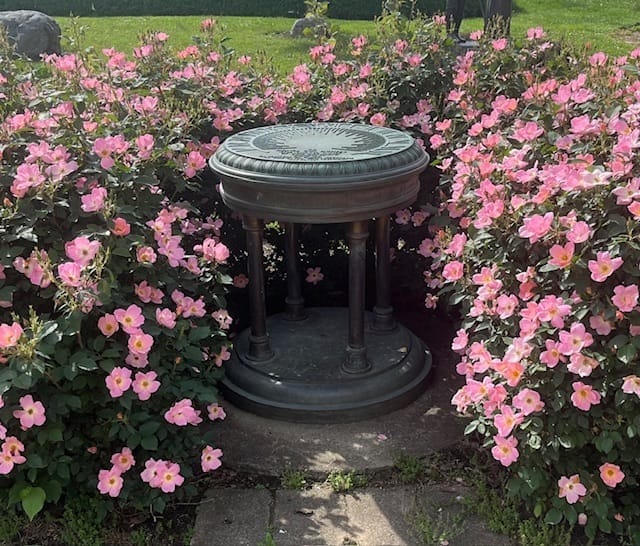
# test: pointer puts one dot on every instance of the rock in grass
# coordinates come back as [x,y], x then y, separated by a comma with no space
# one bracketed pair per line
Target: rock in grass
[31,33]
[300,25]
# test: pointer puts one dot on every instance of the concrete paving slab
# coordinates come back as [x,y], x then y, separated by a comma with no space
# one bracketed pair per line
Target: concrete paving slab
[394,516]
[233,517]
[313,517]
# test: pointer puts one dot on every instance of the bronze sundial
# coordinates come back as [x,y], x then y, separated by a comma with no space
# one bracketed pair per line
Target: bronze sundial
[322,364]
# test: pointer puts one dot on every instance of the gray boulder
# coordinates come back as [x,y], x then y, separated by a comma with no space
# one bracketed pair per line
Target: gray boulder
[314,23]
[31,33]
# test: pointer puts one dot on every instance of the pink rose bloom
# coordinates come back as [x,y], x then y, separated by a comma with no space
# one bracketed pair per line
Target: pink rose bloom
[108,325]
[81,250]
[11,454]
[145,384]
[571,489]
[625,297]
[121,227]
[70,273]
[94,201]
[453,271]
[130,318]
[136,361]
[215,252]
[150,473]
[210,459]
[582,365]
[182,413]
[118,381]
[140,343]
[240,281]
[499,44]
[215,411]
[110,482]
[505,450]
[31,414]
[27,176]
[314,275]
[223,318]
[561,256]
[378,119]
[166,317]
[146,255]
[631,385]
[528,401]
[579,232]
[123,460]
[534,33]
[192,308]
[536,227]
[506,421]
[600,325]
[145,145]
[222,356]
[194,163]
[460,341]
[103,148]
[169,476]
[10,334]
[604,266]
[611,474]
[576,339]
[147,293]
[584,396]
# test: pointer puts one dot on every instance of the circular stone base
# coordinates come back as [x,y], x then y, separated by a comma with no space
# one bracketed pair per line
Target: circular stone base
[304,381]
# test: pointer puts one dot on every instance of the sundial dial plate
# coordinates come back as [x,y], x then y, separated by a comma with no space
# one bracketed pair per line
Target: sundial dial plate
[318,143]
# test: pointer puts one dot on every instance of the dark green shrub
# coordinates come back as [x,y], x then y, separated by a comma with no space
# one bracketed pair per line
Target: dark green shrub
[338,9]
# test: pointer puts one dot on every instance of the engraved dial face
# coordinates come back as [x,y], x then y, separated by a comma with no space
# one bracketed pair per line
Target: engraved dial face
[318,142]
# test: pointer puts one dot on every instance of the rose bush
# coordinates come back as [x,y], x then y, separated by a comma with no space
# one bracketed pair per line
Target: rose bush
[537,240]
[112,286]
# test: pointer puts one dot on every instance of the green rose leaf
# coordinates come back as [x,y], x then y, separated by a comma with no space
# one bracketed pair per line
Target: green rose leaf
[32,500]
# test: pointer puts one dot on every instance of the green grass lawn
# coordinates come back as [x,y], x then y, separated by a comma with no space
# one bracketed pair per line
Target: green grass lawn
[613,27]
[247,35]
[609,26]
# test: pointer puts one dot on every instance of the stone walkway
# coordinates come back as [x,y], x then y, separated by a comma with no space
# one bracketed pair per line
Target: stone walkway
[319,517]
[388,516]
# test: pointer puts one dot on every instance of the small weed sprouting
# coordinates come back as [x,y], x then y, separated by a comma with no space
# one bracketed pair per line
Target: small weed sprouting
[10,526]
[436,526]
[293,479]
[535,532]
[268,540]
[410,468]
[342,482]
[82,522]
[500,513]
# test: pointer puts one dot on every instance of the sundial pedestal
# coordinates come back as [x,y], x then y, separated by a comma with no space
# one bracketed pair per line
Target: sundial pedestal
[322,364]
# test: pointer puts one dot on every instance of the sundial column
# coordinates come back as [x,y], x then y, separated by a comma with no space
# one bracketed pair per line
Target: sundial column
[383,320]
[356,361]
[294,301]
[259,346]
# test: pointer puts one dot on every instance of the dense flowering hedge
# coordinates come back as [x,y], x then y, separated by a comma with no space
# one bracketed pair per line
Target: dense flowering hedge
[113,309]
[112,290]
[541,179]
